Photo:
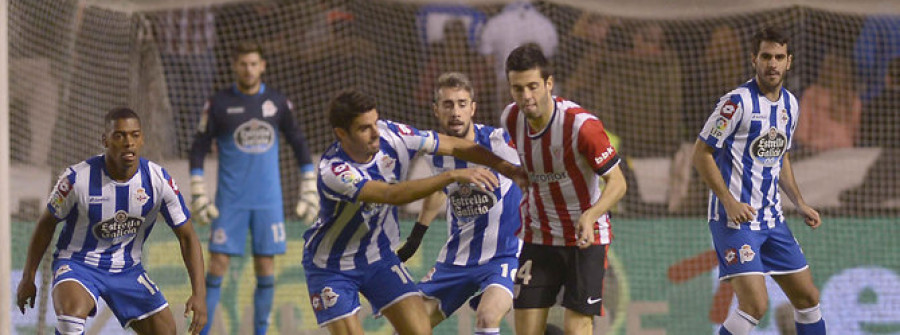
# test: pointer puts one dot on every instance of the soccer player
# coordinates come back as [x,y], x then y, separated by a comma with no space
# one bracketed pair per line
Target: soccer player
[565,216]
[362,178]
[109,204]
[741,154]
[480,254]
[245,120]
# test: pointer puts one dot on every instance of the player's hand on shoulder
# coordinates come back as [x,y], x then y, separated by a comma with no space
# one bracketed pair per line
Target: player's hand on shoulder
[308,205]
[481,177]
[202,209]
[25,294]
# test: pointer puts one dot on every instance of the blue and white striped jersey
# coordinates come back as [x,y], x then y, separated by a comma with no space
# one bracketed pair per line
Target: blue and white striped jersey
[751,135]
[106,221]
[350,234]
[482,225]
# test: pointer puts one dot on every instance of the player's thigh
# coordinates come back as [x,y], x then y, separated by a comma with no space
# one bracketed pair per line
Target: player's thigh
[751,292]
[449,286]
[586,269]
[737,250]
[496,301]
[387,282]
[541,273]
[162,323]
[346,326]
[334,295]
[228,233]
[781,253]
[577,323]
[75,289]
[799,288]
[407,315]
[132,296]
[269,236]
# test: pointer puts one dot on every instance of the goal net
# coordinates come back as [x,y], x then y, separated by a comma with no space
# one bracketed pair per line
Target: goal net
[651,72]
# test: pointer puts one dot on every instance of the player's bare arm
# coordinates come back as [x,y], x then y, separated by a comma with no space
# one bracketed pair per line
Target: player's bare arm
[192,254]
[411,190]
[613,192]
[40,240]
[472,152]
[789,185]
[431,206]
[705,164]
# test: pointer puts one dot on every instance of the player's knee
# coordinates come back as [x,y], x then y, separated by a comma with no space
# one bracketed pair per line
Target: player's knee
[488,318]
[70,325]
[756,309]
[808,299]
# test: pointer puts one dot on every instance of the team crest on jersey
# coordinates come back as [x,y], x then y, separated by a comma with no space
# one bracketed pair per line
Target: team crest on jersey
[140,196]
[557,153]
[269,109]
[386,163]
[324,300]
[62,270]
[731,256]
[769,147]
[254,136]
[468,202]
[747,254]
[117,228]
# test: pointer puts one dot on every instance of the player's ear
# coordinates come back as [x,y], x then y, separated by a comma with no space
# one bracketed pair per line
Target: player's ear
[262,66]
[341,133]
[790,59]
[550,83]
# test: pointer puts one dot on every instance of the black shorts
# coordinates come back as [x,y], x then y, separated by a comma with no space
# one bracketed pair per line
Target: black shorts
[543,270]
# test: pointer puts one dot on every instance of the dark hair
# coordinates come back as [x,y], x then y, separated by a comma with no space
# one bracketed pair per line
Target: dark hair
[528,57]
[893,70]
[120,113]
[771,34]
[346,106]
[453,80]
[247,47]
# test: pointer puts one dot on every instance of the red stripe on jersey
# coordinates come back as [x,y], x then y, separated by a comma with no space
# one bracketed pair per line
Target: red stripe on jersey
[578,181]
[535,194]
[559,200]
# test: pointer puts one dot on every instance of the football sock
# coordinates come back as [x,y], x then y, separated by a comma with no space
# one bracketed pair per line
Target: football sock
[809,321]
[262,303]
[69,325]
[487,331]
[738,323]
[213,290]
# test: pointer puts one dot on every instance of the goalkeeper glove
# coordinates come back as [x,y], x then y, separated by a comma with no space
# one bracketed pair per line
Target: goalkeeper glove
[204,211]
[412,242]
[308,205]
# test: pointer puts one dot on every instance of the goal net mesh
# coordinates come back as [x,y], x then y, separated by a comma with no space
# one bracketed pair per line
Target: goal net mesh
[652,80]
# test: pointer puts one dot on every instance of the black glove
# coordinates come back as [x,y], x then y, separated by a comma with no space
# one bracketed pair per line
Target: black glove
[412,242]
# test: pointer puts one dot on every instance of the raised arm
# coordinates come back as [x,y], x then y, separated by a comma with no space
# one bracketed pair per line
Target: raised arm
[789,185]
[472,152]
[40,240]
[192,254]
[706,166]
[411,190]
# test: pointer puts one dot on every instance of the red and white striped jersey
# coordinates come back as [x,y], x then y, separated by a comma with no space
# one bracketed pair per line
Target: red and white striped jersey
[564,162]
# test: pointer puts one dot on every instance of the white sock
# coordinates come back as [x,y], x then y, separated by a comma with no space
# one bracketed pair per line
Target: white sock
[740,323]
[69,325]
[809,315]
[487,331]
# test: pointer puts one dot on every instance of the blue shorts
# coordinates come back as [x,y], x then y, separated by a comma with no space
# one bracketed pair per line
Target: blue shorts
[334,294]
[767,251]
[452,285]
[130,294]
[229,231]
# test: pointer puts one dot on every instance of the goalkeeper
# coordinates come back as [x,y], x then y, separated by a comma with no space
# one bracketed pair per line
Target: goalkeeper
[244,119]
